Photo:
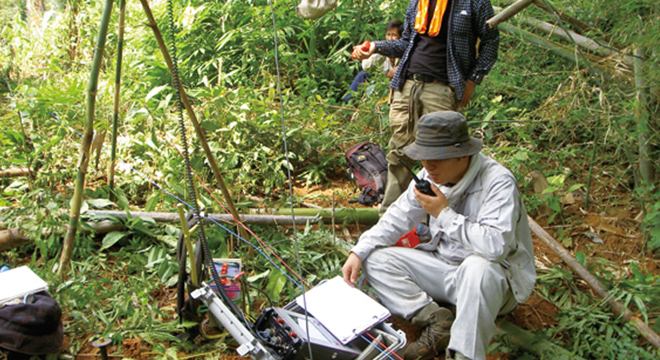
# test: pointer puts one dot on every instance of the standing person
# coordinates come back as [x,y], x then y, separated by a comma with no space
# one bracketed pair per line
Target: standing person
[480,256]
[392,32]
[440,67]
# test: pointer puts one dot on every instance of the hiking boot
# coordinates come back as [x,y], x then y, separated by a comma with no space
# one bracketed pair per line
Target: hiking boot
[435,322]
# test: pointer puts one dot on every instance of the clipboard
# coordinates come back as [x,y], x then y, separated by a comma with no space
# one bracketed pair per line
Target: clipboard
[344,310]
[18,282]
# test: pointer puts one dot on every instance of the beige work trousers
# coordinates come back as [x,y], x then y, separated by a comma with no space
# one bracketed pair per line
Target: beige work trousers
[408,105]
[407,279]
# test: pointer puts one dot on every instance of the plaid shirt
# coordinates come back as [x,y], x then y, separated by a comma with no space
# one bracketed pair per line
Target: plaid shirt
[468,23]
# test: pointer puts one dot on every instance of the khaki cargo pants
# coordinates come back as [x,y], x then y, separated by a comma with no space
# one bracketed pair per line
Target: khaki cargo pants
[408,105]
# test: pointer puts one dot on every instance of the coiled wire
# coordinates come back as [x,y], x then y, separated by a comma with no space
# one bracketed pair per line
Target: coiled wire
[201,234]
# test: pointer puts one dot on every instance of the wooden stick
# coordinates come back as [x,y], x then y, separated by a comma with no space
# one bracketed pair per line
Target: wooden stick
[14,172]
[12,238]
[618,308]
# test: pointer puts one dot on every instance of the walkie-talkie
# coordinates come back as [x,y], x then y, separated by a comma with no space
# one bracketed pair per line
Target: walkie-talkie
[424,186]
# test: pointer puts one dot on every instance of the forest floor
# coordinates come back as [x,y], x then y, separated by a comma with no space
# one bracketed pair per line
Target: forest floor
[609,230]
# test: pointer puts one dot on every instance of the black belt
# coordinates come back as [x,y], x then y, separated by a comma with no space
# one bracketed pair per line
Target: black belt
[421,77]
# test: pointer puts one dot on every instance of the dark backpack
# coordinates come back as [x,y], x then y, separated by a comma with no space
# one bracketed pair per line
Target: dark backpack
[367,165]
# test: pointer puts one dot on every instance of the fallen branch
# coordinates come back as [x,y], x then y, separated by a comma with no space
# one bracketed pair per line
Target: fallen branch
[617,307]
[12,238]
[9,173]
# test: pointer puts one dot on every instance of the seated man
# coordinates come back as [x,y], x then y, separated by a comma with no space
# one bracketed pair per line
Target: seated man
[392,32]
[480,257]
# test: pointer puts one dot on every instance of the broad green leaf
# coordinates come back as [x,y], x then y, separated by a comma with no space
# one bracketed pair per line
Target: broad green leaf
[256,277]
[557,180]
[574,187]
[99,203]
[154,92]
[276,282]
[112,238]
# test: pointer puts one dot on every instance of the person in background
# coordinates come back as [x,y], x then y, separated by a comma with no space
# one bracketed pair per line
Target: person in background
[392,32]
[446,49]
[480,257]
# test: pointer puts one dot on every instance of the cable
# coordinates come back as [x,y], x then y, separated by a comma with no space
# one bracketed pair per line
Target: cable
[238,221]
[288,169]
[386,350]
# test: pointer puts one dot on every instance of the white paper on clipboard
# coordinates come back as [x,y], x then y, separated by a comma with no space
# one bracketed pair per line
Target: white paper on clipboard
[343,310]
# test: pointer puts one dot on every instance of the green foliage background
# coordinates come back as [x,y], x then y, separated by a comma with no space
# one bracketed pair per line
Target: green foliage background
[535,112]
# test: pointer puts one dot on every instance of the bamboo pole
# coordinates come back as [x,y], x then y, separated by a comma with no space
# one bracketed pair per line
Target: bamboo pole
[617,307]
[555,48]
[571,20]
[571,36]
[645,166]
[361,215]
[174,217]
[580,40]
[193,119]
[74,216]
[508,12]
[8,173]
[115,115]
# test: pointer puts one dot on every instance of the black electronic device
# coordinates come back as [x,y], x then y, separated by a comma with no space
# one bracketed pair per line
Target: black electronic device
[285,332]
[423,185]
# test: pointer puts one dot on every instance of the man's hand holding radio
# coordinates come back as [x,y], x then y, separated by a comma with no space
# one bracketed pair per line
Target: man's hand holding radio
[432,204]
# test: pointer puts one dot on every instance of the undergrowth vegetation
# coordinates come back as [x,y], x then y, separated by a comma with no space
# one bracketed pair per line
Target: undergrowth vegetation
[536,112]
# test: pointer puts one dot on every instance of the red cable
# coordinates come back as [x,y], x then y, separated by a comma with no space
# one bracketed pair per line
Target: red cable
[385,347]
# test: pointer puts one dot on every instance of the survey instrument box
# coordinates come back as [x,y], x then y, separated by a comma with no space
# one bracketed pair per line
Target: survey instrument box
[344,310]
[19,282]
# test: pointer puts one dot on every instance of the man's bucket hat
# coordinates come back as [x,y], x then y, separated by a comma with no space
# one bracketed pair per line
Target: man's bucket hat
[33,327]
[442,135]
